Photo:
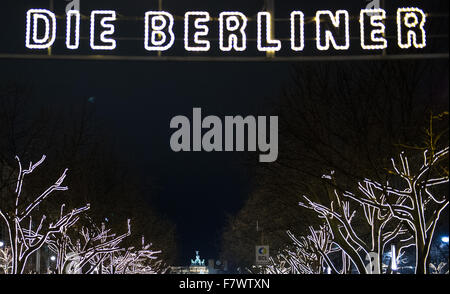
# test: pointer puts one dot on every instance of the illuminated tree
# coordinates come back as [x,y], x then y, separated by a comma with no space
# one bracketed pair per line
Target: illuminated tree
[439,269]
[97,175]
[97,250]
[308,255]
[25,238]
[5,260]
[88,252]
[391,211]
[135,261]
[415,202]
[339,217]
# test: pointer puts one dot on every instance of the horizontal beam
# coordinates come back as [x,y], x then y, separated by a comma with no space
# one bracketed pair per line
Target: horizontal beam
[224,58]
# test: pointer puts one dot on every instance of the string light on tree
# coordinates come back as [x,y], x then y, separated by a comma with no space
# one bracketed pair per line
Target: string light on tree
[23,239]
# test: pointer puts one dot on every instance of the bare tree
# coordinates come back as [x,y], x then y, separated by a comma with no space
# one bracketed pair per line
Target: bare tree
[71,135]
[359,229]
[97,250]
[25,238]
[135,261]
[306,255]
[88,252]
[339,218]
[414,202]
[391,211]
[5,260]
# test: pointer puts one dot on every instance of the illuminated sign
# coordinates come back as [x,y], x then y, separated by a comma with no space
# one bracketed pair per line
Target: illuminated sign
[262,255]
[332,30]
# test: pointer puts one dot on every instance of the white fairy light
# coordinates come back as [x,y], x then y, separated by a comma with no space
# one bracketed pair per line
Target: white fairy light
[159,41]
[226,20]
[294,34]
[377,16]
[24,238]
[271,45]
[98,249]
[306,255]
[70,14]
[33,15]
[201,30]
[409,18]
[329,38]
[108,16]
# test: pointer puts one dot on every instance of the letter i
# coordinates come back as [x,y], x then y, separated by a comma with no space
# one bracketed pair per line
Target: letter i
[73,28]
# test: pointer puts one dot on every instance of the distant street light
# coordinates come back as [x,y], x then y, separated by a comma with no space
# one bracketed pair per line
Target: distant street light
[394,265]
[444,239]
[2,244]
[52,258]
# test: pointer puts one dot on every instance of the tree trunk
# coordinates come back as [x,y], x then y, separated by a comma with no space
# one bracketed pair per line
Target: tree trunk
[421,260]
[421,253]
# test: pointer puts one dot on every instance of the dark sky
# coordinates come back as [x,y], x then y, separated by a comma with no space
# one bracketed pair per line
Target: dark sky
[136,101]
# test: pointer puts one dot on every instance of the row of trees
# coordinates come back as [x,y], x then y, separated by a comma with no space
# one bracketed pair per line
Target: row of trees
[70,134]
[359,227]
[78,248]
[340,124]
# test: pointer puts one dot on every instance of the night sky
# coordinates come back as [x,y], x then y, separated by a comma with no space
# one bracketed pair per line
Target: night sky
[135,102]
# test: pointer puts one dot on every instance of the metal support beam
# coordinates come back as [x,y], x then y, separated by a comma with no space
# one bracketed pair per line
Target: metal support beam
[383,6]
[278,59]
[270,7]
[160,7]
[52,8]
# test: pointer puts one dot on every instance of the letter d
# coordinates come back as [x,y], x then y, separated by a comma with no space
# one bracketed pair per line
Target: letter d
[33,39]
